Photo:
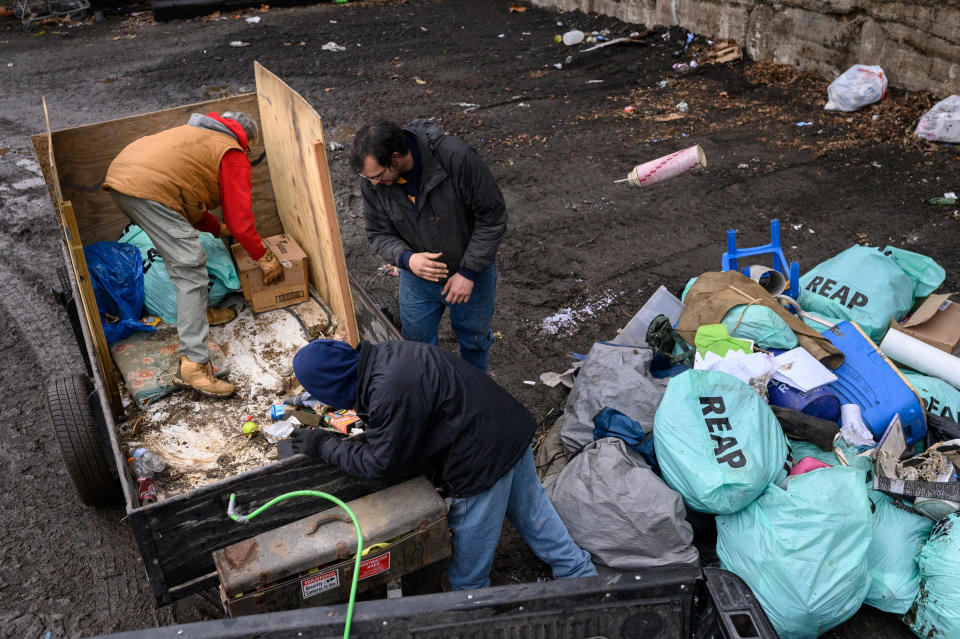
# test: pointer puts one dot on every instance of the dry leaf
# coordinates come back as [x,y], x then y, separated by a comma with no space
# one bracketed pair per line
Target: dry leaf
[516,7]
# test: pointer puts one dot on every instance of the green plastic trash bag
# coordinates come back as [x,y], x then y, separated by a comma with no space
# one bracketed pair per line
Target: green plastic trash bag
[939,397]
[803,550]
[869,286]
[898,537]
[160,295]
[936,612]
[717,441]
[760,324]
[714,338]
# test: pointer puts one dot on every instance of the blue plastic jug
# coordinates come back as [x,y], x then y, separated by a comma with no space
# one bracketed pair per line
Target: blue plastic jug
[820,402]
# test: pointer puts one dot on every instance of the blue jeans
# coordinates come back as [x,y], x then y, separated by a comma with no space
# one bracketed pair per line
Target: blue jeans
[475,524]
[421,307]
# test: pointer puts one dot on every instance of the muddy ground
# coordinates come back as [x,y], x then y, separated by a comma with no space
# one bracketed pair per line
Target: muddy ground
[581,254]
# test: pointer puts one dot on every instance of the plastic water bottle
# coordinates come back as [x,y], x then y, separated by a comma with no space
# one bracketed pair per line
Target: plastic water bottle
[145,463]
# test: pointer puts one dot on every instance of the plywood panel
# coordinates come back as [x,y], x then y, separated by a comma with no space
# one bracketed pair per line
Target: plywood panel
[84,153]
[88,305]
[296,156]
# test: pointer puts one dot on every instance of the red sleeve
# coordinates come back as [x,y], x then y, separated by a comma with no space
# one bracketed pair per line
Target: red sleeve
[209,224]
[235,198]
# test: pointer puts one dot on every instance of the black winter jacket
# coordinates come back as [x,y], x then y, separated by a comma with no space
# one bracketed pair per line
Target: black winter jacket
[461,210]
[429,412]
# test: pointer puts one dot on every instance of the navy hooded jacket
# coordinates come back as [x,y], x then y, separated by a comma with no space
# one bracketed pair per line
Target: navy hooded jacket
[429,412]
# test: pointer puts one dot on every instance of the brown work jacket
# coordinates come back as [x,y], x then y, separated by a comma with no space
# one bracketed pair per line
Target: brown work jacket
[178,168]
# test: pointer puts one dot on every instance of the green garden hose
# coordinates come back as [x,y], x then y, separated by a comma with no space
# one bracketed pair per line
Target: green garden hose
[242,519]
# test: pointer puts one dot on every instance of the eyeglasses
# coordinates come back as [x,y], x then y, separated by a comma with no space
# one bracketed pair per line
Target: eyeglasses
[374,180]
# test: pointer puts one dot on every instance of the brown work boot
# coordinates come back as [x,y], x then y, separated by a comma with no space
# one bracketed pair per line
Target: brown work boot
[220,316]
[200,377]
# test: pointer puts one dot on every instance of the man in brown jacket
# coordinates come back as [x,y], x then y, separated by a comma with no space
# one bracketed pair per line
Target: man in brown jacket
[166,184]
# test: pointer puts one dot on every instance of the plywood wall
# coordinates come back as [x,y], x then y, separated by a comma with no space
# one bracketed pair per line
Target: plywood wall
[296,156]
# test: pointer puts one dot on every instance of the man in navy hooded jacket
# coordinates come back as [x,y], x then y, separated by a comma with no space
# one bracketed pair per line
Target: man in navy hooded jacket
[430,412]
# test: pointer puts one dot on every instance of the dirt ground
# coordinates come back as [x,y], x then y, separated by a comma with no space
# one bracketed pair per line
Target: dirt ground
[581,255]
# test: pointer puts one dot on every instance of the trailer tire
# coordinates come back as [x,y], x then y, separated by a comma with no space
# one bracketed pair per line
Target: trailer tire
[81,445]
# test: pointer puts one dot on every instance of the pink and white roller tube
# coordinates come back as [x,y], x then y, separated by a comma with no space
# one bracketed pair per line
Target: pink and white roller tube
[666,167]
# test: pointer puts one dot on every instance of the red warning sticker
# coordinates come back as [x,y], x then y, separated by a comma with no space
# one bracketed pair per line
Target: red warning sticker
[374,566]
[315,584]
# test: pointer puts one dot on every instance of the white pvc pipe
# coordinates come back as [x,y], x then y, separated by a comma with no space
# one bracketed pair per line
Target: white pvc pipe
[922,357]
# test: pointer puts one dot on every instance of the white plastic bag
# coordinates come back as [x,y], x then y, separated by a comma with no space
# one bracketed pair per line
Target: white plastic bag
[942,122]
[856,87]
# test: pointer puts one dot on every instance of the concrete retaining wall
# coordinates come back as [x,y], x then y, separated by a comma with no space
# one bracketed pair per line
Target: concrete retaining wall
[917,43]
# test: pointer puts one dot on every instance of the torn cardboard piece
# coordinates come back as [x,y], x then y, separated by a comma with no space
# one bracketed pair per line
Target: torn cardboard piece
[936,322]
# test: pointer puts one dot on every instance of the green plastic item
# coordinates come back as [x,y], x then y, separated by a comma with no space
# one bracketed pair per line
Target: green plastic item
[939,397]
[898,536]
[936,612]
[714,338]
[869,286]
[717,441]
[803,550]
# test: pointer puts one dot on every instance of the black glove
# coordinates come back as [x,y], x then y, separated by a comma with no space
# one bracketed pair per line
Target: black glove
[310,441]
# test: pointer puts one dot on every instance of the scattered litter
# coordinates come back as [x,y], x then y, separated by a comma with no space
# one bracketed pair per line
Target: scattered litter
[500,35]
[529,382]
[594,81]
[516,7]
[797,227]
[683,107]
[418,80]
[524,105]
[856,87]
[467,106]
[252,20]
[669,117]
[629,109]
[666,167]
[335,146]
[804,123]
[558,65]
[239,43]
[875,164]
[573,37]
[332,46]
[948,199]
[663,83]
[388,270]
[744,165]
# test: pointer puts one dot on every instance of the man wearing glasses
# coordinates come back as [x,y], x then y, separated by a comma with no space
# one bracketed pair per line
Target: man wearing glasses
[433,208]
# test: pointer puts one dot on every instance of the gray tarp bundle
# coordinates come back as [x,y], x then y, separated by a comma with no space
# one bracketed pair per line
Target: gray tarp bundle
[613,375]
[619,511]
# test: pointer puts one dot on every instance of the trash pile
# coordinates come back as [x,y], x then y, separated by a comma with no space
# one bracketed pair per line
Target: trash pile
[808,420]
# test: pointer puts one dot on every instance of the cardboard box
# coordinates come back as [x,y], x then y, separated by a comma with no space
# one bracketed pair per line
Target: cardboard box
[292,289]
[936,322]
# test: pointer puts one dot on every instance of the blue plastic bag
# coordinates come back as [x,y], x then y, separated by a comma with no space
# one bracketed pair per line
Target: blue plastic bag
[160,295]
[610,422]
[869,286]
[718,443]
[117,279]
[936,612]
[898,537]
[803,550]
